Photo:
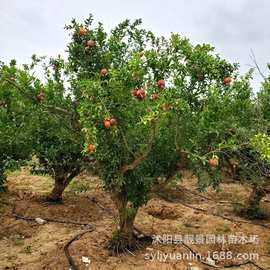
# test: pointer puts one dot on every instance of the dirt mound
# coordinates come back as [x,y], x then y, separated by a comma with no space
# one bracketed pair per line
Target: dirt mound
[80,209]
[162,211]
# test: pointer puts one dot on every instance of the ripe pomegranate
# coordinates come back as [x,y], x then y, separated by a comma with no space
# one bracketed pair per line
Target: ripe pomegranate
[91,148]
[113,121]
[82,31]
[140,94]
[161,84]
[227,81]
[104,72]
[107,123]
[134,92]
[213,162]
[40,97]
[90,43]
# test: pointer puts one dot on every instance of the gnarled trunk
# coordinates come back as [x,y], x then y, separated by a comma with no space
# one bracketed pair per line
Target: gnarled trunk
[255,197]
[253,204]
[2,177]
[61,181]
[124,237]
[126,225]
[59,186]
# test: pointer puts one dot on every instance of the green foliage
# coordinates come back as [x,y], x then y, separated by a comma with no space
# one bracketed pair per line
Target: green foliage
[16,125]
[40,119]
[261,143]
[150,134]
[59,140]
[251,140]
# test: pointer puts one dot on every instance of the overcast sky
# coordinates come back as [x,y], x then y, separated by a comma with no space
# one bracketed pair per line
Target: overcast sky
[234,27]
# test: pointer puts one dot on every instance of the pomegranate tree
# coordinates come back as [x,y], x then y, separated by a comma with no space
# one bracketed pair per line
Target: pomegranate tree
[59,140]
[41,119]
[156,89]
[16,126]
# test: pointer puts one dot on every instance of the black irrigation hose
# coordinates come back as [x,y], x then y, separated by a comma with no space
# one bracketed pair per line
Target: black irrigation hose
[71,262]
[76,237]
[17,216]
[226,218]
[212,214]
[223,266]
[94,200]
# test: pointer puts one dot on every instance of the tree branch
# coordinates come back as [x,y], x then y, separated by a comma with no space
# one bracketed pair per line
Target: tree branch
[73,173]
[125,142]
[49,107]
[253,58]
[137,161]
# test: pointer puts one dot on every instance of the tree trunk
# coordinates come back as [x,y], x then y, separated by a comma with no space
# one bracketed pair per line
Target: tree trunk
[2,177]
[253,203]
[255,197]
[126,226]
[60,184]
[123,237]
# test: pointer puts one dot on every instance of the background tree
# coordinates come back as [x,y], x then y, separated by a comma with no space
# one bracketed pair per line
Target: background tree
[40,118]
[259,158]
[16,124]
[59,140]
[236,120]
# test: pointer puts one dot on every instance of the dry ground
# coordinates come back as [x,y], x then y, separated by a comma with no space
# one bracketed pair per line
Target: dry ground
[26,245]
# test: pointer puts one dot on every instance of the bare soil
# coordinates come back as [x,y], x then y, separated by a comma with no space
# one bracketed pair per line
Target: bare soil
[181,210]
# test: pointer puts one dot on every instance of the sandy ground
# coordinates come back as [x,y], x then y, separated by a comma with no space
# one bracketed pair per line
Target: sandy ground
[181,212]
